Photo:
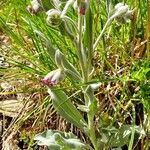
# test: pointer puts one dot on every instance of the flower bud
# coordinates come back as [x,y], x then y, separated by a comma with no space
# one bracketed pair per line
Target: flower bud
[53,17]
[120,10]
[119,5]
[121,13]
[83,7]
[34,7]
[54,77]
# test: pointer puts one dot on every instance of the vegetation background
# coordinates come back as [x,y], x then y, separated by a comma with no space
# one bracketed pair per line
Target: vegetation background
[121,63]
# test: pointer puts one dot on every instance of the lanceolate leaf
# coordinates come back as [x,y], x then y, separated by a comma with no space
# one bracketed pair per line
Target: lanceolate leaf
[56,140]
[89,26]
[88,37]
[65,108]
[70,70]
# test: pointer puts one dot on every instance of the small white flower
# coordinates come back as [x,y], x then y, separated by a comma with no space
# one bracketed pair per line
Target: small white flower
[54,77]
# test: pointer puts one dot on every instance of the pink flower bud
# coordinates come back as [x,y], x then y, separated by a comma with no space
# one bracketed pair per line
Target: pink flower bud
[53,78]
[83,8]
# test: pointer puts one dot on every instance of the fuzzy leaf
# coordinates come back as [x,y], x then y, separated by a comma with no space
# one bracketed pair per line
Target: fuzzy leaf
[65,108]
[121,136]
[88,37]
[56,140]
[73,76]
[69,69]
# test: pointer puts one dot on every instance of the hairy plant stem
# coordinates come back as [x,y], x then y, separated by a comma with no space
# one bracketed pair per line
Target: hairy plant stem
[90,116]
[84,69]
[91,128]
[83,63]
[81,53]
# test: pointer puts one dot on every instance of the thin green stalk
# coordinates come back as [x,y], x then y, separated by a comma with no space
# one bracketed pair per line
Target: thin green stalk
[101,34]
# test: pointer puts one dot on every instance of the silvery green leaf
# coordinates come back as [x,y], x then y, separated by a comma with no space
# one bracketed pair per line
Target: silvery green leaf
[72,75]
[119,148]
[58,59]
[93,107]
[121,136]
[69,69]
[65,108]
[57,4]
[139,130]
[74,143]
[104,138]
[56,140]
[48,139]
